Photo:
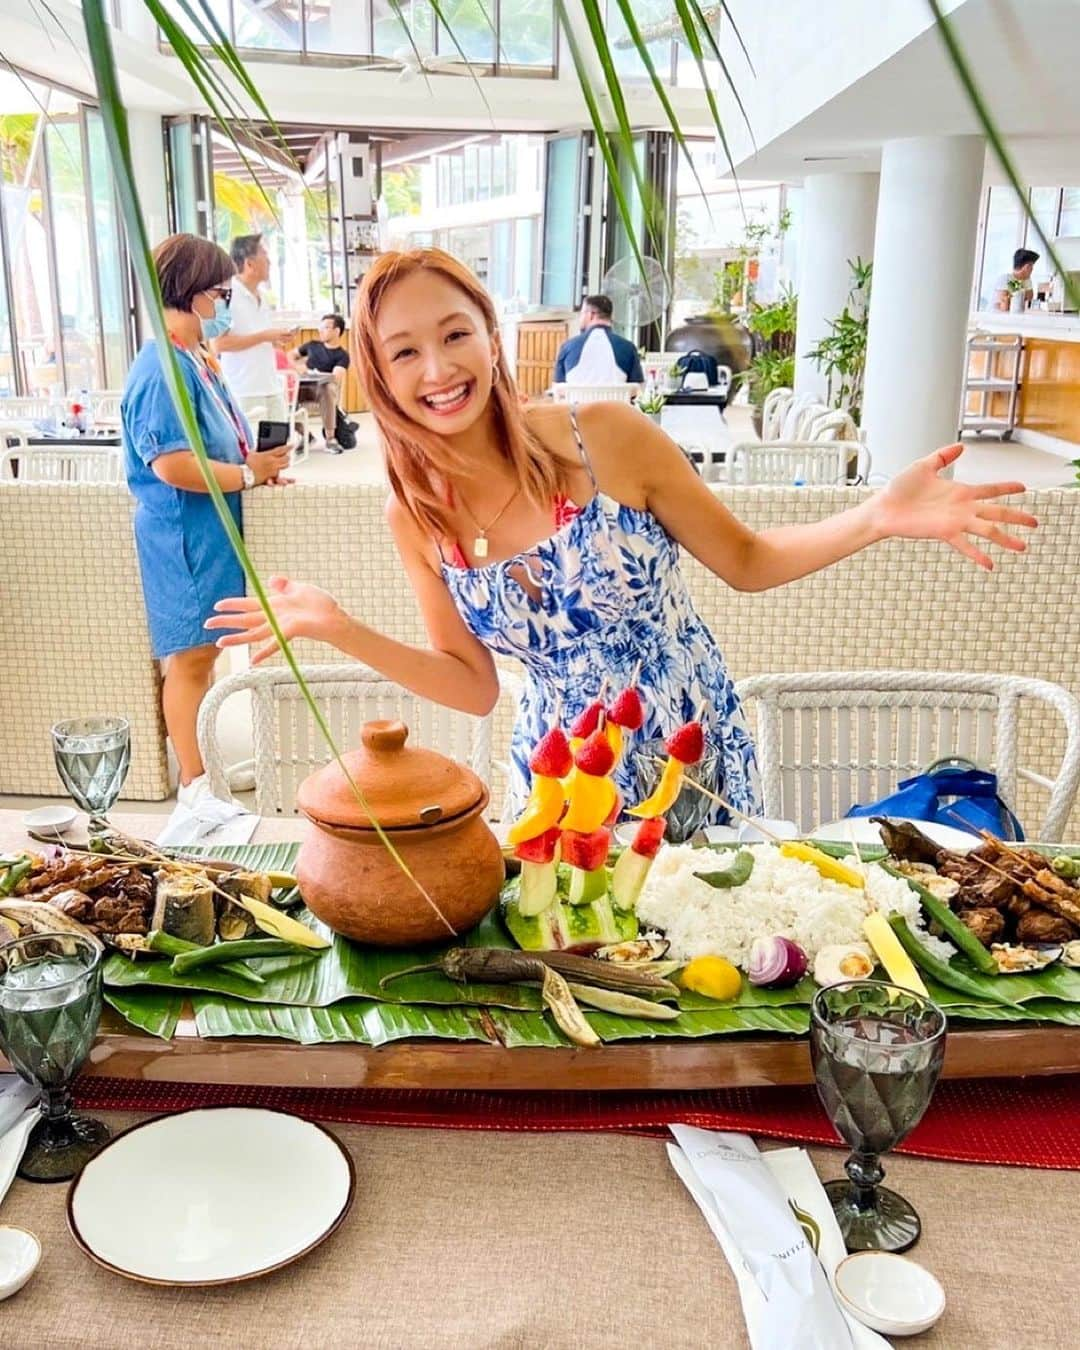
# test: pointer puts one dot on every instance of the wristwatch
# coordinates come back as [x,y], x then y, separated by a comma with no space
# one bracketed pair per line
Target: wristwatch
[248,479]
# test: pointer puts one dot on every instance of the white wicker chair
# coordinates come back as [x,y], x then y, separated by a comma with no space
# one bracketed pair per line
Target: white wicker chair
[594,393]
[288,744]
[829,740]
[105,407]
[25,409]
[75,464]
[783,462]
[773,412]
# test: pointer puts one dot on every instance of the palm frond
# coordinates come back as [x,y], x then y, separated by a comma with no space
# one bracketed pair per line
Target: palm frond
[115,125]
[626,8]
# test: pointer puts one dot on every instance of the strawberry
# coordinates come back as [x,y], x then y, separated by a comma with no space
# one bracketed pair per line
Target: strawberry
[551,757]
[686,743]
[587,851]
[541,849]
[648,835]
[586,722]
[596,756]
[627,711]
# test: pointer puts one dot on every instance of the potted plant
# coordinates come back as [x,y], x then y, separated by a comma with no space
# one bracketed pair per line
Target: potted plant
[672,378]
[650,402]
[842,354]
[1015,286]
[772,365]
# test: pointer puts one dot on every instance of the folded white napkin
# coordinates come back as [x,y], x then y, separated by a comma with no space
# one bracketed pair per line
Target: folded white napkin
[786,1293]
[211,822]
[18,1116]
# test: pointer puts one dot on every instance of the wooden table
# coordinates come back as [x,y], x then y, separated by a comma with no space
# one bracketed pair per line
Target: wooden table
[664,1065]
[474,1240]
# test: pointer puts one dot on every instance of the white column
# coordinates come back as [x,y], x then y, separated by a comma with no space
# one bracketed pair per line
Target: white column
[148,164]
[837,227]
[924,251]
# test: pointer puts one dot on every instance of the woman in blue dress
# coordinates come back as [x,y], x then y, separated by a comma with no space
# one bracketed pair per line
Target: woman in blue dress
[185,559]
[554,538]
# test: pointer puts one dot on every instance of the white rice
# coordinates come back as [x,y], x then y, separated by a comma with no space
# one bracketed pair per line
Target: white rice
[784,897]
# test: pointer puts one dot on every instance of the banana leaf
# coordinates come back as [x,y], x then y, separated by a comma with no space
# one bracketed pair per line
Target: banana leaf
[152,1010]
[1038,1010]
[360,1021]
[369,1023]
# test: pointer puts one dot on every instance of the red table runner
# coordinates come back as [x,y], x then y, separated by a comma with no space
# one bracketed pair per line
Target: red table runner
[1019,1122]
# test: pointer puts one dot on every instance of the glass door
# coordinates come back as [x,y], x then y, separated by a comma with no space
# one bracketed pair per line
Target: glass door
[651,222]
[189,169]
[565,230]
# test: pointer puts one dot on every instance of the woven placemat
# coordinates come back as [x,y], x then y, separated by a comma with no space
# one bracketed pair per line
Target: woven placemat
[1032,1122]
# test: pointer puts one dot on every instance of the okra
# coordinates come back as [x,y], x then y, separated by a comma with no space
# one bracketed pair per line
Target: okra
[942,971]
[958,933]
[224,953]
[167,945]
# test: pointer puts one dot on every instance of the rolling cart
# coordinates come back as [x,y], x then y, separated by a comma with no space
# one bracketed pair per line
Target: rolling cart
[992,374]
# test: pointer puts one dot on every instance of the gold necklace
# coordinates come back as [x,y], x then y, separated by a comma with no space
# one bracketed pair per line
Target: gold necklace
[480,543]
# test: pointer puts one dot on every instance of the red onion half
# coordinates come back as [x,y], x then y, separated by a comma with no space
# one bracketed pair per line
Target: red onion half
[775,962]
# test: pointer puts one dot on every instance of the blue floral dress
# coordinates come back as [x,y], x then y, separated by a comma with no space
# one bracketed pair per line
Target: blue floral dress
[611,599]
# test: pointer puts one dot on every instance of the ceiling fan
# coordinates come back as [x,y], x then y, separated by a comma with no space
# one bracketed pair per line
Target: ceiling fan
[412,65]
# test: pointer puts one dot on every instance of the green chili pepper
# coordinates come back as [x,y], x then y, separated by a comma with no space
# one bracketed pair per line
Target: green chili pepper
[231,951]
[728,877]
[14,875]
[1066,866]
[942,971]
[958,933]
[167,945]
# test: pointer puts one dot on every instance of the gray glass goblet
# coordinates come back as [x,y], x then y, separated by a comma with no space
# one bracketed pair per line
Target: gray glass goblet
[50,1007]
[92,758]
[691,809]
[877,1051]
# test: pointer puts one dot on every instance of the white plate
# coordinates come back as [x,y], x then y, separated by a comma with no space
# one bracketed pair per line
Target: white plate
[210,1196]
[889,1293]
[866,832]
[47,819]
[20,1252]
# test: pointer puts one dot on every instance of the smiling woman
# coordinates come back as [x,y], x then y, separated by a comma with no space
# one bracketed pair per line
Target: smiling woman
[553,536]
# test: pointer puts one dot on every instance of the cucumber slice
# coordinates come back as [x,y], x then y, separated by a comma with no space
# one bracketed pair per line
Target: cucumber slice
[585,887]
[538,887]
[578,923]
[628,879]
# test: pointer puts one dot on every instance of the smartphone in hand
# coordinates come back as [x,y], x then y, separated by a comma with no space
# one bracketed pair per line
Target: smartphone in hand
[272,436]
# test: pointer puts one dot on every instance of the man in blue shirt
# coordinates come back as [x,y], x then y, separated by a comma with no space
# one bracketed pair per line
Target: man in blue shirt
[597,355]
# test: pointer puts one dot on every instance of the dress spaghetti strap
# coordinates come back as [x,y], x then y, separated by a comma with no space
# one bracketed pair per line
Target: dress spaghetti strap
[581,448]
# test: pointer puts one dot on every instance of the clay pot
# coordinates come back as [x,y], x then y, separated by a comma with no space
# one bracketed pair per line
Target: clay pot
[432,810]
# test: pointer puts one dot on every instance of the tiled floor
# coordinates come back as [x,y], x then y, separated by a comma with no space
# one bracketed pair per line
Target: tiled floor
[983,461]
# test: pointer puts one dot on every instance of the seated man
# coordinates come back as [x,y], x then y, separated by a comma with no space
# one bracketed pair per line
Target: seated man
[597,355]
[327,356]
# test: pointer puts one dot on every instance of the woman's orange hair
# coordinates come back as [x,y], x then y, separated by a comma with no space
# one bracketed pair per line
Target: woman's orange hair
[421,464]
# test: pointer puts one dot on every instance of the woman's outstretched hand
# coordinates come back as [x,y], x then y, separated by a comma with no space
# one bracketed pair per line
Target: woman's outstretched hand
[920,504]
[301,610]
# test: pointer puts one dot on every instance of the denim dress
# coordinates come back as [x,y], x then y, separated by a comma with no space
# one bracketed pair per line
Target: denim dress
[185,558]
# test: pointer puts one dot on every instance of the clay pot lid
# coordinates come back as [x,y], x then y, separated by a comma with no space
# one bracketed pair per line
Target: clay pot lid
[404,786]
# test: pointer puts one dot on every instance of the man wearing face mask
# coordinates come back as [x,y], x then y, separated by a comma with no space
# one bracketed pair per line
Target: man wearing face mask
[246,349]
[185,559]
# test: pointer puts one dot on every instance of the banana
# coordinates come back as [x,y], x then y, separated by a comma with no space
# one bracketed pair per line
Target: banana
[43,918]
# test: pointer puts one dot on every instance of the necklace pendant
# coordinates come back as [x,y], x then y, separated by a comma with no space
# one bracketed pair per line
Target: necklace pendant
[480,546]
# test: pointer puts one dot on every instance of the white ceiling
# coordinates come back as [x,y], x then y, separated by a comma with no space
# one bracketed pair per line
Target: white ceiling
[1025,56]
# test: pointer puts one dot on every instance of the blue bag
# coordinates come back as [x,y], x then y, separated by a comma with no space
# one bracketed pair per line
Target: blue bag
[700,363]
[951,792]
